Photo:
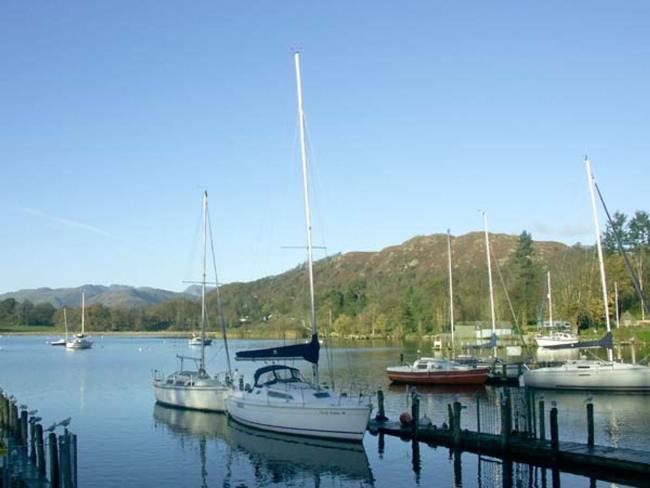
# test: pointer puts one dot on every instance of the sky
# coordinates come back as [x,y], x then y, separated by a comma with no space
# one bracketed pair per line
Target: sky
[115,116]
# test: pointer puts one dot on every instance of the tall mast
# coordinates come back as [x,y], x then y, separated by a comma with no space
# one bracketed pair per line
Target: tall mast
[83,313]
[601,261]
[451,295]
[550,300]
[489,263]
[205,233]
[65,324]
[305,183]
[618,319]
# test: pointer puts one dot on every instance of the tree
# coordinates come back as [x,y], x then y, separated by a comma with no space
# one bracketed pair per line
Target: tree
[525,289]
[609,235]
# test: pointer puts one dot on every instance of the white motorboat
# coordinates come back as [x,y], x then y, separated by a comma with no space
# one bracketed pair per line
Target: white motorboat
[587,374]
[556,339]
[281,400]
[196,389]
[80,341]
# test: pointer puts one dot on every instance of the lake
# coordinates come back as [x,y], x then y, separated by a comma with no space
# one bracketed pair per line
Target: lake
[125,439]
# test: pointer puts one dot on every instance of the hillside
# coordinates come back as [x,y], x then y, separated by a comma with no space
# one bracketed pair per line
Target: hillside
[109,296]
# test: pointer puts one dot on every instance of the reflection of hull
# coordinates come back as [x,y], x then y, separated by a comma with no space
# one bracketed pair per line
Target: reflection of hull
[285,455]
[590,375]
[319,419]
[550,355]
[208,397]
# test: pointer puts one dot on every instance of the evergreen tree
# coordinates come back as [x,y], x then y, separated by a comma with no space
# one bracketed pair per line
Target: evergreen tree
[525,289]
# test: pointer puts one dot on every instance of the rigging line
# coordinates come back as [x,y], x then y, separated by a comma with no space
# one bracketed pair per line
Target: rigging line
[503,284]
[637,287]
[218,292]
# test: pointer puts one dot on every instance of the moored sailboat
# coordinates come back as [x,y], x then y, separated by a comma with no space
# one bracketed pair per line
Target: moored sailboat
[281,399]
[80,341]
[555,338]
[432,371]
[196,389]
[588,374]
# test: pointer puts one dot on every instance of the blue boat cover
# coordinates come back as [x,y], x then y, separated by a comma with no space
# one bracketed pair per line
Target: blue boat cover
[488,345]
[605,341]
[308,352]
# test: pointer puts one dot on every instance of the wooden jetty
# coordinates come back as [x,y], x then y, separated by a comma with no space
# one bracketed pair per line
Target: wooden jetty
[23,448]
[614,464]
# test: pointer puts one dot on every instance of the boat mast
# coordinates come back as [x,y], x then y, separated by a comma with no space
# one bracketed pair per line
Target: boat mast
[489,262]
[550,301]
[451,295]
[601,262]
[618,321]
[83,313]
[65,324]
[205,232]
[305,183]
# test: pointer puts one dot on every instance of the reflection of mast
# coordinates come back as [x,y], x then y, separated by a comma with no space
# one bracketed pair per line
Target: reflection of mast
[204,471]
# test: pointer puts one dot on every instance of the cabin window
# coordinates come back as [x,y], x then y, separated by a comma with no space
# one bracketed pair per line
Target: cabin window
[422,366]
[279,394]
[322,394]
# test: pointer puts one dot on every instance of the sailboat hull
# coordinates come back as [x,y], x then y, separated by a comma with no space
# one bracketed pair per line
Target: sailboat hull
[344,422]
[476,376]
[590,375]
[208,398]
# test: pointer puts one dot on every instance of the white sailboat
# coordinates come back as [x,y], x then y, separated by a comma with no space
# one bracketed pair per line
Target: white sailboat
[64,340]
[80,341]
[196,389]
[587,374]
[555,338]
[281,399]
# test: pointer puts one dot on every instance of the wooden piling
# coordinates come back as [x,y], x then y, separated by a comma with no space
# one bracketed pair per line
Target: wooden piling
[555,435]
[401,358]
[64,461]
[542,421]
[415,412]
[506,420]
[40,450]
[54,459]
[457,432]
[381,412]
[478,413]
[590,424]
[73,459]
[23,428]
[450,415]
[32,442]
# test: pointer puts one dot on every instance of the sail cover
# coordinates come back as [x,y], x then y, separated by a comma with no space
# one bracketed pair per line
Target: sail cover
[308,352]
[605,341]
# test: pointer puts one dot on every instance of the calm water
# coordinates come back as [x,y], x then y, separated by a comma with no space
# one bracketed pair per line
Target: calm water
[124,438]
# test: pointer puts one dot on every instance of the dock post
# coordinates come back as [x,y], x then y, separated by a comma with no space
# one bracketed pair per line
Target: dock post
[40,450]
[450,414]
[555,435]
[381,413]
[457,432]
[504,372]
[590,424]
[23,428]
[478,413]
[542,421]
[506,420]
[401,358]
[32,442]
[13,420]
[415,412]
[64,456]
[73,459]
[54,459]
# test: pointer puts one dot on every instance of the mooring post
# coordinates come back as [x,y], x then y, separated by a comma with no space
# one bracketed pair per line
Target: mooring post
[415,412]
[590,424]
[504,372]
[450,414]
[23,428]
[542,421]
[40,451]
[401,358]
[64,456]
[506,420]
[478,413]
[381,413]
[13,420]
[73,458]
[32,442]
[457,432]
[54,459]
[555,435]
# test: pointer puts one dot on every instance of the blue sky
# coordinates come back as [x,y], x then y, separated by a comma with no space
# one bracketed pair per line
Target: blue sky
[115,115]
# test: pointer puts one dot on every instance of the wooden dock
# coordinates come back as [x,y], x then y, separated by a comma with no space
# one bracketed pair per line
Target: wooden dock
[614,464]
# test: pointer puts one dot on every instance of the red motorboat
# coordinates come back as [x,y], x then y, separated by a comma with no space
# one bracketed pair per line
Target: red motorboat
[431,371]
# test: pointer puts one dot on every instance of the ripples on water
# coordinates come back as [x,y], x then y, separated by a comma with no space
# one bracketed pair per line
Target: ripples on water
[125,439]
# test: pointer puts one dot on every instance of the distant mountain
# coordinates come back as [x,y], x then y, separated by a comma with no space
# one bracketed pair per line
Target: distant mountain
[120,296]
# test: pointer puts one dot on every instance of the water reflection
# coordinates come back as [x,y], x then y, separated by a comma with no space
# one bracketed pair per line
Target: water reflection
[274,457]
